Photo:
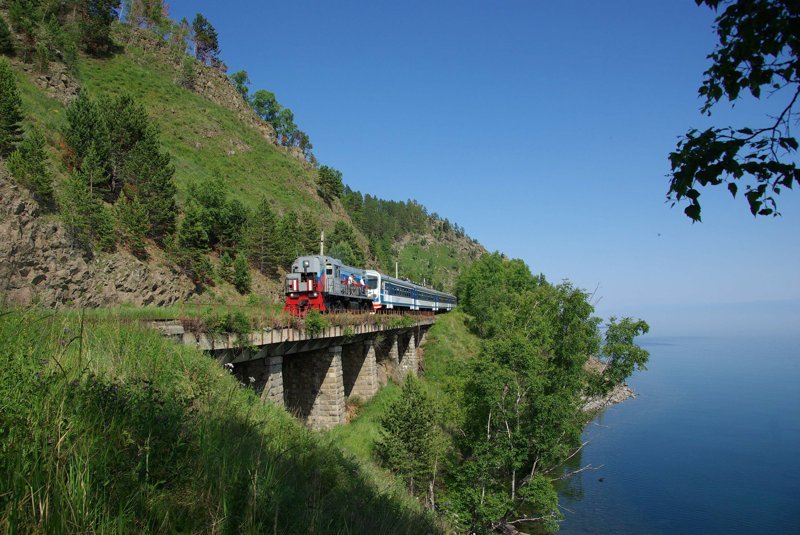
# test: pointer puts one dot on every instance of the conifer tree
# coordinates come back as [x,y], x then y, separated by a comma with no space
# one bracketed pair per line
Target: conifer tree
[311,234]
[96,17]
[241,274]
[288,245]
[262,235]
[192,235]
[329,183]
[86,127]
[28,164]
[10,110]
[179,39]
[92,171]
[205,39]
[6,42]
[192,245]
[24,16]
[134,223]
[408,436]
[127,124]
[226,267]
[90,220]
[148,172]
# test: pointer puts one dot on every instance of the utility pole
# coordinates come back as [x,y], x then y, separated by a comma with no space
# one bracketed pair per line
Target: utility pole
[322,243]
[396,276]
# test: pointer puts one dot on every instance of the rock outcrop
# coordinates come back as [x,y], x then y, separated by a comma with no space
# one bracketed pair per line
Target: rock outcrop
[618,394]
[39,264]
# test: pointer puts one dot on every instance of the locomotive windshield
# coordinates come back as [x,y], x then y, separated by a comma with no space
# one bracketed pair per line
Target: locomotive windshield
[372,283]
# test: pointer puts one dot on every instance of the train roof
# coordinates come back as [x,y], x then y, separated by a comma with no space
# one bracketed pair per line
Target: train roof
[323,260]
[406,283]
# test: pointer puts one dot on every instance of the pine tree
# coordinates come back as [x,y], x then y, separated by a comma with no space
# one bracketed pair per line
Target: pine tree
[148,172]
[241,274]
[262,234]
[205,39]
[329,183]
[89,219]
[192,234]
[226,267]
[127,123]
[28,164]
[287,243]
[10,110]
[408,436]
[192,246]
[86,127]
[134,223]
[6,42]
[311,234]
[24,16]
[96,17]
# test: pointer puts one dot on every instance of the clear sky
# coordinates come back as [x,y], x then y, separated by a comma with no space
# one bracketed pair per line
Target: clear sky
[543,128]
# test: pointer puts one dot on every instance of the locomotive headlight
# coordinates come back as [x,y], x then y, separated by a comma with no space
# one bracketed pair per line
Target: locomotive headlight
[314,295]
[305,263]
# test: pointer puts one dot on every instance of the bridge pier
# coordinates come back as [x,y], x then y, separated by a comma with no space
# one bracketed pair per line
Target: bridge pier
[315,387]
[273,384]
[360,369]
[409,363]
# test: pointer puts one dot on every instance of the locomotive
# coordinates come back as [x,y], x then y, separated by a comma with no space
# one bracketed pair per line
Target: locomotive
[326,284]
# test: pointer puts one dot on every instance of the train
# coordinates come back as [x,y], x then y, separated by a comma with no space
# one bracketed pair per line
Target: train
[326,284]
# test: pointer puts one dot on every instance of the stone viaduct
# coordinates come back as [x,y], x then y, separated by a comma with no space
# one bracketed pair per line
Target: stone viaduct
[312,375]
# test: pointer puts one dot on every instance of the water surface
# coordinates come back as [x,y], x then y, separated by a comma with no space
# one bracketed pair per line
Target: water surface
[709,446]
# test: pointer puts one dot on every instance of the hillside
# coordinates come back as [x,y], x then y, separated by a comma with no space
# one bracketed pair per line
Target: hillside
[210,131]
[107,427]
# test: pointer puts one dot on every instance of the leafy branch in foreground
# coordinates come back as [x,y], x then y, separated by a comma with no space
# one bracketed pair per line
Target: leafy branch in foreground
[758,51]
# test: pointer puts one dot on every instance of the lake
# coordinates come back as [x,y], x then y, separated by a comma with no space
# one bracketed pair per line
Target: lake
[710,445]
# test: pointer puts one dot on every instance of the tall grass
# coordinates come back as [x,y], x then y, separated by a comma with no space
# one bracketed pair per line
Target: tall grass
[107,427]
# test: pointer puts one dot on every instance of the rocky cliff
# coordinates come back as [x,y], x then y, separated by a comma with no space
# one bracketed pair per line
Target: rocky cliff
[40,264]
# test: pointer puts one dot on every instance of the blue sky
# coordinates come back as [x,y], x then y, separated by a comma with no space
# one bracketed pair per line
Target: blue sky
[541,127]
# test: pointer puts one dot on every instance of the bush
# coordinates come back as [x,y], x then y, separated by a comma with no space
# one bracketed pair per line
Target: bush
[314,322]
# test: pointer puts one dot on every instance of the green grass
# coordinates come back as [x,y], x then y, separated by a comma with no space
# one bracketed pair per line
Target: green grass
[360,435]
[187,120]
[107,427]
[438,264]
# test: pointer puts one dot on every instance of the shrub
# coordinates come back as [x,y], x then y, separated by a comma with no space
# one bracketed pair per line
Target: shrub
[314,322]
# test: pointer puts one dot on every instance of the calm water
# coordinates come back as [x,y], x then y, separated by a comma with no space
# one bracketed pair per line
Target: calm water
[709,446]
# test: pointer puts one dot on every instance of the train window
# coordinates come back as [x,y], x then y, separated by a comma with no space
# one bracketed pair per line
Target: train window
[329,270]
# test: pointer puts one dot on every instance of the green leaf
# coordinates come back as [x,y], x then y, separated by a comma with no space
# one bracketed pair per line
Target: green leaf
[733,189]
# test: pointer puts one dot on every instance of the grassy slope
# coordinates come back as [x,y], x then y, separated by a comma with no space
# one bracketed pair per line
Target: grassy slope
[257,168]
[117,430]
